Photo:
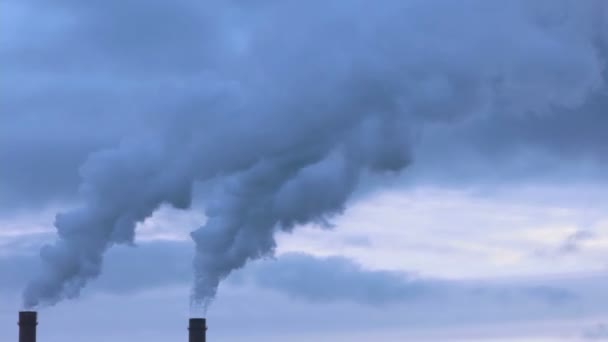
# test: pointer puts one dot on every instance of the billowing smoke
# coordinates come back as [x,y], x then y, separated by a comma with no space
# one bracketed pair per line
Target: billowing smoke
[300,100]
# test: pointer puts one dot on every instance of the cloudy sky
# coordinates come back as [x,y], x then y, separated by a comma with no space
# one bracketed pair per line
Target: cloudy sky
[391,171]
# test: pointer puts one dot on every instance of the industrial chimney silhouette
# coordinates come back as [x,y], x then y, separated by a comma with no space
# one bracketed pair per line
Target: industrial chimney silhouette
[28,320]
[197,329]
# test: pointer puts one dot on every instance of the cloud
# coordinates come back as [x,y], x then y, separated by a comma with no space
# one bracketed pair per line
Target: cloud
[329,279]
[88,69]
[162,264]
[573,242]
[85,77]
[336,278]
[148,266]
[303,294]
[567,146]
[117,82]
[597,332]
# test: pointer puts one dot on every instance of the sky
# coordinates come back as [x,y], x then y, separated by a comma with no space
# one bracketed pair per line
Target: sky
[331,170]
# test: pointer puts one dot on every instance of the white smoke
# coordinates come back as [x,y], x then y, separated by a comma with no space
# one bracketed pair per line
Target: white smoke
[303,99]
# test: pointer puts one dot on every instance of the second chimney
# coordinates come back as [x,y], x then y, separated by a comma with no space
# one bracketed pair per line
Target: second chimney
[28,320]
[197,329]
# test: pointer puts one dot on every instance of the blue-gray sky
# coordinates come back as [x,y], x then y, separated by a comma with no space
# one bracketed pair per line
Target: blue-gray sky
[397,170]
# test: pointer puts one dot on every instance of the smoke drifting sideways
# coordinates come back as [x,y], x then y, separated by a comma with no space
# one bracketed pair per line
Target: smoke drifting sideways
[301,100]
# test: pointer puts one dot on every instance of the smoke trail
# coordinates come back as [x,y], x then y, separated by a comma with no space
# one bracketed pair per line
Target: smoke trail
[305,99]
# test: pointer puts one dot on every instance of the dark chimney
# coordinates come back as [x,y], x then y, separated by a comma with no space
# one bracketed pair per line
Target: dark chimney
[198,329]
[27,326]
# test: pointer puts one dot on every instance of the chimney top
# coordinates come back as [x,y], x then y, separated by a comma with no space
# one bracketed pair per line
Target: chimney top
[198,330]
[198,323]
[28,318]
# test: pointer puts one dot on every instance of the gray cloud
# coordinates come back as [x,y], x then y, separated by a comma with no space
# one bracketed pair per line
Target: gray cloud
[148,266]
[566,146]
[162,264]
[293,295]
[180,85]
[84,77]
[573,242]
[338,279]
[570,245]
[597,332]
[335,278]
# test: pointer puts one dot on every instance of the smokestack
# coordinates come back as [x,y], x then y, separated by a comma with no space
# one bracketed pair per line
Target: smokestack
[198,329]
[27,326]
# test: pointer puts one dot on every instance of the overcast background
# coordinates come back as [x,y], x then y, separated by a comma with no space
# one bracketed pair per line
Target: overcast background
[498,230]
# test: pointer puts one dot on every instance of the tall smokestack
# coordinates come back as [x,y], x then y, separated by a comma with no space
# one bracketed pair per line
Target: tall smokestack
[27,326]
[198,330]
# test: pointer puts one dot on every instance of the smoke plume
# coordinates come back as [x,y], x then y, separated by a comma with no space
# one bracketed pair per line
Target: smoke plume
[299,101]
